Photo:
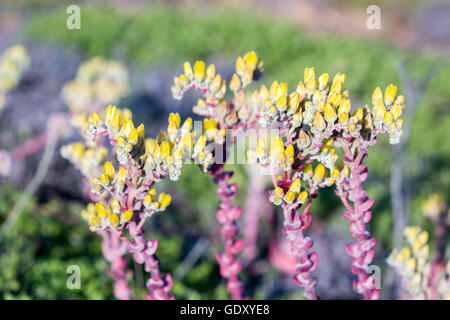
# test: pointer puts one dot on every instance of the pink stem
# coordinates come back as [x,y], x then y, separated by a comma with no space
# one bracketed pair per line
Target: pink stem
[256,206]
[362,250]
[114,250]
[30,147]
[144,253]
[227,214]
[294,224]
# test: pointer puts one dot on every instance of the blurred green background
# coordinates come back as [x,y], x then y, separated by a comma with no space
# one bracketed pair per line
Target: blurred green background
[50,234]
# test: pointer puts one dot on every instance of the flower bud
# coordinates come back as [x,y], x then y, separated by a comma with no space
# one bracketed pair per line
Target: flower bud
[389,95]
[188,70]
[318,122]
[199,70]
[114,220]
[235,83]
[210,72]
[319,173]
[323,81]
[127,215]
[377,95]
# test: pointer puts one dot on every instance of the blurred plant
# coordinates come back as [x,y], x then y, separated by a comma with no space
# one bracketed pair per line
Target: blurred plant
[310,122]
[421,278]
[98,83]
[14,61]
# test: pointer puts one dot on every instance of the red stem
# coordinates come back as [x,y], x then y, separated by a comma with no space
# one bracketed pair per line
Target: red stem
[227,214]
[306,262]
[114,250]
[362,250]
[144,253]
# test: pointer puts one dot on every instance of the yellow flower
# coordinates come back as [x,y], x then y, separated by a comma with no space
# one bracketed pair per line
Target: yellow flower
[174,119]
[165,149]
[335,173]
[235,83]
[200,145]
[358,114]
[317,97]
[240,65]
[109,170]
[164,200]
[294,101]
[295,186]
[388,118]
[251,58]
[411,233]
[302,197]
[115,205]
[210,72]
[330,114]
[133,137]
[111,112]
[334,98]
[127,128]
[319,173]
[318,122]
[310,79]
[390,93]
[187,125]
[127,215]
[188,70]
[308,170]
[95,119]
[396,110]
[289,197]
[278,192]
[304,140]
[114,220]
[344,107]
[187,141]
[323,81]
[121,175]
[377,95]
[101,210]
[215,83]
[199,70]
[261,148]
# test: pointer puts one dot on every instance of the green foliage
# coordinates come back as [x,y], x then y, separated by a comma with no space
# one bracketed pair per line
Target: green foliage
[46,240]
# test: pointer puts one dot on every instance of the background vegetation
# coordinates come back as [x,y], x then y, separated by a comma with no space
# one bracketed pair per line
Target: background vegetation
[50,233]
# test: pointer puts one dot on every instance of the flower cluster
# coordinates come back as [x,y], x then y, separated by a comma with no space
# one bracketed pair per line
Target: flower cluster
[87,159]
[13,62]
[228,114]
[419,277]
[98,82]
[312,122]
[126,194]
[436,209]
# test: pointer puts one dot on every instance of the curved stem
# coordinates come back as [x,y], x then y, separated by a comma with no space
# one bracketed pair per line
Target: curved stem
[144,253]
[114,250]
[300,245]
[227,214]
[362,250]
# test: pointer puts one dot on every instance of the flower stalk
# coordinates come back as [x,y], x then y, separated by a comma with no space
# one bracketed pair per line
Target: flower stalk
[362,250]
[227,214]
[114,250]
